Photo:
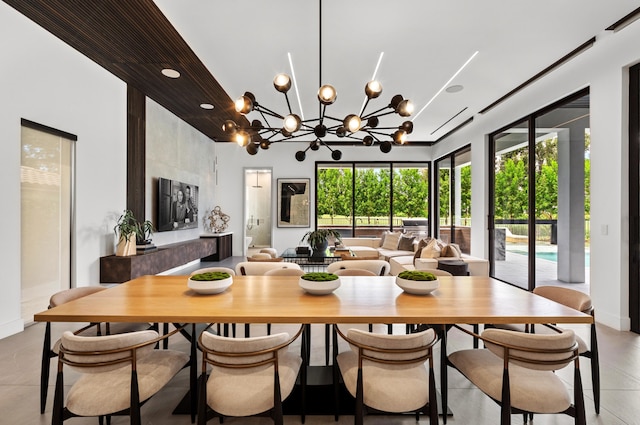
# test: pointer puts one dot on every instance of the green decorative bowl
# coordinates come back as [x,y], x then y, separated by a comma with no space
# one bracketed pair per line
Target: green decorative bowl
[319,283]
[210,282]
[417,282]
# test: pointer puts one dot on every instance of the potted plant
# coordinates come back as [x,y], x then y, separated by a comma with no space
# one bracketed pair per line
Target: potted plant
[210,282]
[129,231]
[319,283]
[317,239]
[418,282]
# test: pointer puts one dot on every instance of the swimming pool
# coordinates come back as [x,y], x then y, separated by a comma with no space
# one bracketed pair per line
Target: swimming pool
[552,255]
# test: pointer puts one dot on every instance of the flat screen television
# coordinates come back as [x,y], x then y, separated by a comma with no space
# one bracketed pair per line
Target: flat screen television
[177,205]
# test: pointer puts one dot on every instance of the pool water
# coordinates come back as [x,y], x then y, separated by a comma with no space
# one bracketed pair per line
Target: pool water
[553,256]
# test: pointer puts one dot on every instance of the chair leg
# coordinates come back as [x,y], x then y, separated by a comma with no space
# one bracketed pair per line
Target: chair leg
[46,367]
[595,368]
[444,377]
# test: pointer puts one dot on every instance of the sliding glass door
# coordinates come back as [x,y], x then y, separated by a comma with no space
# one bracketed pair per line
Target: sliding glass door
[539,201]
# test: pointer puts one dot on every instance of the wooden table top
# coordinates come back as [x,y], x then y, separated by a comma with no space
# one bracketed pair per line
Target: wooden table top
[279,299]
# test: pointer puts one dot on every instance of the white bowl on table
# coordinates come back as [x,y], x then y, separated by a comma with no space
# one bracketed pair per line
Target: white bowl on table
[314,287]
[417,287]
[210,286]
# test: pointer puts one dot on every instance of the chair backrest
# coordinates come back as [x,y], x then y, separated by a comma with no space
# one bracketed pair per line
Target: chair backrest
[223,350]
[67,295]
[81,352]
[566,296]
[260,256]
[271,251]
[533,351]
[404,348]
[379,267]
[284,272]
[354,272]
[253,268]
[214,269]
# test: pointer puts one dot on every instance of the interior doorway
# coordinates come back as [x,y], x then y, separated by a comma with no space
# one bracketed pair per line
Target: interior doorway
[46,215]
[257,208]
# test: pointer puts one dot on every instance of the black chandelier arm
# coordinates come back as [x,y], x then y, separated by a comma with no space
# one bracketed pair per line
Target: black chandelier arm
[333,118]
[379,133]
[286,96]
[377,114]
[264,110]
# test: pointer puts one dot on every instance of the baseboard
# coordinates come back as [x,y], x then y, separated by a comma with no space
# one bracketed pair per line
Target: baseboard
[11,328]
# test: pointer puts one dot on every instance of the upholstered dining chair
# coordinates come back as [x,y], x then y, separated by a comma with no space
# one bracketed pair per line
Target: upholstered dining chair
[517,370]
[354,272]
[231,271]
[576,300]
[118,373]
[284,272]
[379,267]
[93,329]
[388,373]
[248,376]
[259,268]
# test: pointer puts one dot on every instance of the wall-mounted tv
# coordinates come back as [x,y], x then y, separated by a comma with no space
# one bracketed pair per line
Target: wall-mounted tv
[177,205]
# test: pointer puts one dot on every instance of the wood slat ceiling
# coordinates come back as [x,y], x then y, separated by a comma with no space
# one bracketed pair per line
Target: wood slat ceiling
[135,41]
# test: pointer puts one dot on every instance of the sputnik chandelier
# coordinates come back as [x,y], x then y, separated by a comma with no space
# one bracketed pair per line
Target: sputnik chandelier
[363,127]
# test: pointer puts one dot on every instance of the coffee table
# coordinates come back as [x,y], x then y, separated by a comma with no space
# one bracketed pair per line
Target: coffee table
[314,262]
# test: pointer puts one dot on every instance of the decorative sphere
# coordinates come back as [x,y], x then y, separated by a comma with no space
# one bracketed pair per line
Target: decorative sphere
[301,155]
[385,146]
[314,145]
[336,155]
[367,141]
[252,148]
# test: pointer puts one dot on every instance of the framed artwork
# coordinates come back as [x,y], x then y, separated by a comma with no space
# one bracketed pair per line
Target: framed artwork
[293,202]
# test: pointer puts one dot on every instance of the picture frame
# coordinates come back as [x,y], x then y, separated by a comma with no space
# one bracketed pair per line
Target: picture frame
[293,199]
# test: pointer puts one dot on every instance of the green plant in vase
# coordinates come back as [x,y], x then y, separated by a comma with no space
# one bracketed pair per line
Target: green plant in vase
[318,240]
[319,276]
[130,231]
[417,275]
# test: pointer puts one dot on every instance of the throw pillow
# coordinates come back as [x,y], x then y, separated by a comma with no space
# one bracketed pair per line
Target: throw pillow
[450,250]
[384,234]
[406,243]
[432,250]
[391,241]
[418,252]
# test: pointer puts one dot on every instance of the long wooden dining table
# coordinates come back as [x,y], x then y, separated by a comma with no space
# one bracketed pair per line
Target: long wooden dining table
[279,299]
[470,300]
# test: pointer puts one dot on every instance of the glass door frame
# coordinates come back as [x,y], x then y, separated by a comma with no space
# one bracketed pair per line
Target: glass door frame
[634,198]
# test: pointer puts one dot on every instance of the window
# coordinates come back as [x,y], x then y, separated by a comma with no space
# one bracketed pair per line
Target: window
[365,199]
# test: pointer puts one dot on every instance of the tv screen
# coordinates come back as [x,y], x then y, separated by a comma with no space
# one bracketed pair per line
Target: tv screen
[177,205]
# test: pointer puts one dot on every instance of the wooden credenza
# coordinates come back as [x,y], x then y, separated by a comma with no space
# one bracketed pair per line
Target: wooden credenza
[115,269]
[224,243]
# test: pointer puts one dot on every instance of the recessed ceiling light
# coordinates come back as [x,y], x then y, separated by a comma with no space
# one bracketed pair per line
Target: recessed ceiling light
[206,106]
[454,89]
[171,73]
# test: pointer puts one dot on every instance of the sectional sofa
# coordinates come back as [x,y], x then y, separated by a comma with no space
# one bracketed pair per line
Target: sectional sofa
[401,256]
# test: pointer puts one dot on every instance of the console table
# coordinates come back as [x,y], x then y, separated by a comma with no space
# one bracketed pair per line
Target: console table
[114,269]
[225,246]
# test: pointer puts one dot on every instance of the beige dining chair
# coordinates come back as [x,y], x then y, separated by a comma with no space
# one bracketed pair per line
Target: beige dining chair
[379,267]
[117,374]
[576,300]
[354,272]
[518,371]
[93,329]
[231,271]
[284,272]
[247,376]
[388,372]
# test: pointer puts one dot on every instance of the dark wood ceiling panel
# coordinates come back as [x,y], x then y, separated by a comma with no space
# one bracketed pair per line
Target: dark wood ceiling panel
[134,41]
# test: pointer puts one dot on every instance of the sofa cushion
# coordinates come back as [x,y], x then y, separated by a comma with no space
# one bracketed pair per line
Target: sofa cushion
[432,250]
[451,250]
[406,243]
[418,249]
[391,241]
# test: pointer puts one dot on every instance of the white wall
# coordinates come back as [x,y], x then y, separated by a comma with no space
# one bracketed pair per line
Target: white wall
[45,81]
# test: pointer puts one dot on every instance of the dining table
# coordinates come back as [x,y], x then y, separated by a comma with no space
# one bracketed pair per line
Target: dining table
[472,300]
